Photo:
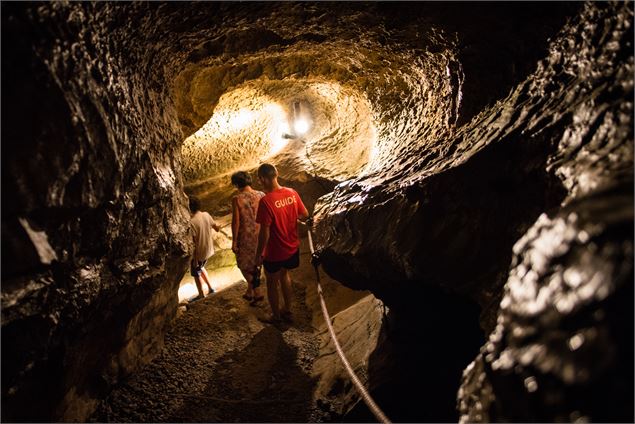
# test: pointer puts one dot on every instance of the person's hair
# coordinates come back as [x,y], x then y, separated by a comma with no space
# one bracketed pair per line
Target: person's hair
[268,171]
[195,204]
[241,179]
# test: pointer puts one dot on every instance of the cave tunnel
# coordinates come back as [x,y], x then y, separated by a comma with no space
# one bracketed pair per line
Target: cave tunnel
[468,168]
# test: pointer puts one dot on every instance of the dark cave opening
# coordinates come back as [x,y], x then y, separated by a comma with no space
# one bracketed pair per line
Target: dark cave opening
[429,333]
[469,167]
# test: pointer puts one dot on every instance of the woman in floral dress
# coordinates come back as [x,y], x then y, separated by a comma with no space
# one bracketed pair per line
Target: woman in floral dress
[245,230]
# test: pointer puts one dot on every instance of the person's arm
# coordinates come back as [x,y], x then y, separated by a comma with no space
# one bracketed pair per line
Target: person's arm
[235,225]
[303,213]
[263,238]
[263,217]
[214,225]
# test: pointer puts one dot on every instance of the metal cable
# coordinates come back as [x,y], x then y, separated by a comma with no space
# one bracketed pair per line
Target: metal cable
[377,412]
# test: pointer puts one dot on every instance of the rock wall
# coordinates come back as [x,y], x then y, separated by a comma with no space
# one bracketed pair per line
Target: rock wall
[450,214]
[562,348]
[357,318]
[380,81]
[99,98]
[94,220]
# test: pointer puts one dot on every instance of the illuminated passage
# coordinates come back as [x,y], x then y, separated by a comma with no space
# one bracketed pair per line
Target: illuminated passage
[304,126]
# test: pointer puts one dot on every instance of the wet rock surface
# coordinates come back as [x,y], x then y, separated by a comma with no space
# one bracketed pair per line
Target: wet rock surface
[450,216]
[563,345]
[94,223]
[562,349]
[451,198]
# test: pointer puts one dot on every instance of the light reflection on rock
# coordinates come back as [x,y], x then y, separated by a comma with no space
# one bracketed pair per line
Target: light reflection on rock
[566,333]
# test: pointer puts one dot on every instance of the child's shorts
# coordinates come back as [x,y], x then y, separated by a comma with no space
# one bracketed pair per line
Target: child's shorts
[196,268]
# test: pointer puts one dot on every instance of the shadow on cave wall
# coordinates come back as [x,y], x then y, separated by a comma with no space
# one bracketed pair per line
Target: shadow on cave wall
[93,307]
[459,226]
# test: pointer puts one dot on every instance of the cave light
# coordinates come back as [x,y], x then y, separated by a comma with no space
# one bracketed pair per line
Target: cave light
[301,126]
[300,123]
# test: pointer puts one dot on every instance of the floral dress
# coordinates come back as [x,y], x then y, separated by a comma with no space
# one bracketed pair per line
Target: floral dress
[248,229]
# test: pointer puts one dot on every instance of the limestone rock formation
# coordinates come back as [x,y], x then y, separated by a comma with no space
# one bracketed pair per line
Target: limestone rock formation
[562,349]
[562,132]
[450,217]
[94,220]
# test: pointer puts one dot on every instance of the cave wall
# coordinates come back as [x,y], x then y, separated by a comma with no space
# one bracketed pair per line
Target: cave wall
[94,221]
[451,212]
[100,96]
[448,193]
[562,347]
[421,68]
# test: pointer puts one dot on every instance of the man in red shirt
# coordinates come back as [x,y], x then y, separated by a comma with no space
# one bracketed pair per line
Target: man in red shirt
[278,213]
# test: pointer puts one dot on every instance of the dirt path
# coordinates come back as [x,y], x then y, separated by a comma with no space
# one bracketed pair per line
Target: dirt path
[221,364]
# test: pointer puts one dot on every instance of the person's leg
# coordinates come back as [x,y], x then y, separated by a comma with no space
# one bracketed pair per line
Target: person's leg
[287,291]
[249,294]
[206,279]
[257,292]
[285,281]
[199,286]
[195,271]
[273,280]
[244,263]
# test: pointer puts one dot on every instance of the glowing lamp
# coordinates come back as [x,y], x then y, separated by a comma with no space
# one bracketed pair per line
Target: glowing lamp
[301,126]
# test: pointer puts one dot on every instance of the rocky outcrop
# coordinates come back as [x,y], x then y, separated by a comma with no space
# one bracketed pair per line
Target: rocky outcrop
[95,223]
[450,199]
[562,348]
[451,213]
[357,318]
[358,329]
[563,345]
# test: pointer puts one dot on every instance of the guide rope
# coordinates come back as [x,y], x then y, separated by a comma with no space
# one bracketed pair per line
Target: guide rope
[377,412]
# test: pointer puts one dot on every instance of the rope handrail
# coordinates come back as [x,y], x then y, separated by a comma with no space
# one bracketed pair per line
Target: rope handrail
[374,408]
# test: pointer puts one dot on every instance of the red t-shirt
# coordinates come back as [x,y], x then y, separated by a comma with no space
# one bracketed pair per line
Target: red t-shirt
[279,210]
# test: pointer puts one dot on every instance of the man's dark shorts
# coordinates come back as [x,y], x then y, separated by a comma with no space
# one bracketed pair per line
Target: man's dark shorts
[291,263]
[196,268]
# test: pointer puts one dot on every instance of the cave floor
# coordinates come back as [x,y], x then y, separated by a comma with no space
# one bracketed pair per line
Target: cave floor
[221,364]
